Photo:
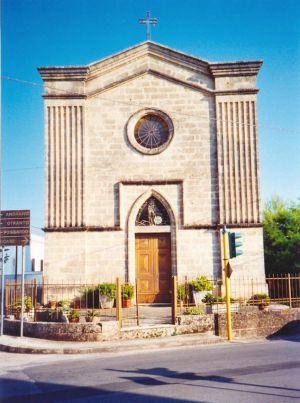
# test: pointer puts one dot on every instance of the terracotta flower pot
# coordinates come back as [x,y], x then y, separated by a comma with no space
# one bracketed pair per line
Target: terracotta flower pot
[126,303]
[52,304]
[73,320]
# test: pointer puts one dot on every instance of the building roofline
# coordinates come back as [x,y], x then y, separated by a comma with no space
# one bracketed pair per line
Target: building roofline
[216,69]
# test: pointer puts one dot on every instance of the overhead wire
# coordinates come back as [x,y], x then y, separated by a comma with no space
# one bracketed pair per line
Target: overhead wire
[131,103]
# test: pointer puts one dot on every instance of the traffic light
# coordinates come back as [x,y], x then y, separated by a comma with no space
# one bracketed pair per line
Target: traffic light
[234,244]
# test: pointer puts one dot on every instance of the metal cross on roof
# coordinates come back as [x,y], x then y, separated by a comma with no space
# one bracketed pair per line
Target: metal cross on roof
[148,21]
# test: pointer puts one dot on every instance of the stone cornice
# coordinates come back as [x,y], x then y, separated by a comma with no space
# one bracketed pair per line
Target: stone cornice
[196,87]
[95,228]
[241,91]
[86,228]
[86,73]
[152,182]
[70,73]
[66,96]
[239,68]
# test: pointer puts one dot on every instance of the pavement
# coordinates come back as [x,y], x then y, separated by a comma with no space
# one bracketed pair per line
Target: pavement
[29,345]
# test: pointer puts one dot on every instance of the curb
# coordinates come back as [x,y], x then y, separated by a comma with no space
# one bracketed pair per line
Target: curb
[113,348]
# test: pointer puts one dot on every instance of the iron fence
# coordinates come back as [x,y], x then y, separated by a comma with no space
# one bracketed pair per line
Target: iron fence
[118,300]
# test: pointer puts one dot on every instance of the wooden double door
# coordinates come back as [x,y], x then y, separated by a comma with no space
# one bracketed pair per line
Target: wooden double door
[153,267]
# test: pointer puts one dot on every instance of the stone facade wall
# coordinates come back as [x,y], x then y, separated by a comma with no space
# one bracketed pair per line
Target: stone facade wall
[96,180]
[238,165]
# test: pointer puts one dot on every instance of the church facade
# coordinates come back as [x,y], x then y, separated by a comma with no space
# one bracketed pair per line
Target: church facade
[148,153]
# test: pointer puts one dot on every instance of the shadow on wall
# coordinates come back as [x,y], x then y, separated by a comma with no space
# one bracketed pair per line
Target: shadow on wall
[288,331]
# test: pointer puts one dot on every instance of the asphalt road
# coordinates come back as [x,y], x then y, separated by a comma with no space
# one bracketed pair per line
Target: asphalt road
[260,371]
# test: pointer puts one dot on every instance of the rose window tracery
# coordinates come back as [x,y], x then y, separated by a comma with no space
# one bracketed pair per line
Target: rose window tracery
[151,131]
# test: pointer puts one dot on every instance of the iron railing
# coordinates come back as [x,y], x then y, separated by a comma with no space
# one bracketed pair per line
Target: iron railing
[52,302]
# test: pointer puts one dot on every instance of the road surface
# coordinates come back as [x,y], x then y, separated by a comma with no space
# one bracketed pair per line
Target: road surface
[259,371]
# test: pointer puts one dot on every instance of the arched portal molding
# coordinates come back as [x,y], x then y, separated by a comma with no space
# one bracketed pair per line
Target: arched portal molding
[131,231]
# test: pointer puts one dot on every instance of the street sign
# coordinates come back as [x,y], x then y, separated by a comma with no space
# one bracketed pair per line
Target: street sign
[14,227]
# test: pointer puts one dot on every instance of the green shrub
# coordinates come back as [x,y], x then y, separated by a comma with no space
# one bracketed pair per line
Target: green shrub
[201,283]
[74,314]
[181,292]
[27,304]
[193,311]
[108,289]
[209,299]
[90,297]
[258,299]
[92,313]
[64,304]
[127,291]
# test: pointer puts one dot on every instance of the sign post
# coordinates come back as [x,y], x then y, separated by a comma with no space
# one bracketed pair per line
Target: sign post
[22,291]
[14,231]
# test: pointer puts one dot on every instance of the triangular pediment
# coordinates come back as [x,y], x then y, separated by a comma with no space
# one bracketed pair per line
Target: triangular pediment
[145,58]
[151,49]
[148,58]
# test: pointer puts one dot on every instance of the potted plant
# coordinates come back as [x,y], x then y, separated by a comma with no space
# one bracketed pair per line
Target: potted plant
[218,305]
[262,300]
[74,316]
[127,295]
[52,303]
[107,293]
[181,294]
[92,316]
[200,286]
[64,304]
[28,307]
[63,307]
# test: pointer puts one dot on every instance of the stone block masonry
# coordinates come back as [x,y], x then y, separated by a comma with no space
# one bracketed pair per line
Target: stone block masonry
[97,178]
[245,324]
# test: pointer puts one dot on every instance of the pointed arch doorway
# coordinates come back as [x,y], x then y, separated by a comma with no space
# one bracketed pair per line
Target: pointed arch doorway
[153,252]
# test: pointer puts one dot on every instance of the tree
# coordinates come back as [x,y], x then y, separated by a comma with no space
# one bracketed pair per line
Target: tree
[281,236]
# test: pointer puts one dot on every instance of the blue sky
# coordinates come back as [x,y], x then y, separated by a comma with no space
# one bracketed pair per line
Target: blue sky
[75,32]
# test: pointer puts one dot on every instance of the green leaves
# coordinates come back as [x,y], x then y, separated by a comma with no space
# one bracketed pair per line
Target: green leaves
[281,236]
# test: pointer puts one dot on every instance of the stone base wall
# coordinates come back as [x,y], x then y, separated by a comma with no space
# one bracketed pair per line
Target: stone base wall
[255,323]
[188,324]
[249,322]
[55,331]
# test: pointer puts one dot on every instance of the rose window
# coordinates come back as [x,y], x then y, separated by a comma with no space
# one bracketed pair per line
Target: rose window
[151,131]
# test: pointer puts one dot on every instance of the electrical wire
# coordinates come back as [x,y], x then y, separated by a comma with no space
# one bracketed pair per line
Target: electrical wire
[144,106]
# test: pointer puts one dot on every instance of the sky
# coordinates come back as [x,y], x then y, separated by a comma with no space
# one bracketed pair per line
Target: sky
[77,32]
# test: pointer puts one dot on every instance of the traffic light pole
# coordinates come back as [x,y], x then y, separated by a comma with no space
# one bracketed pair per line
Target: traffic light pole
[227,282]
